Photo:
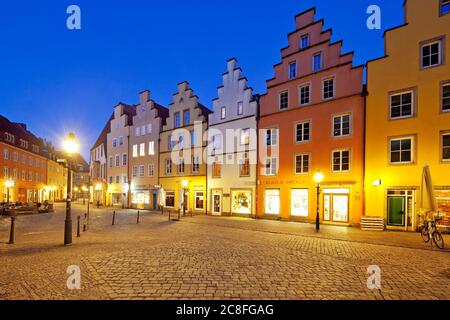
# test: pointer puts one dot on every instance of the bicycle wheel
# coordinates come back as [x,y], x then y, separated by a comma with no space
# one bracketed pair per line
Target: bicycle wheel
[438,239]
[425,235]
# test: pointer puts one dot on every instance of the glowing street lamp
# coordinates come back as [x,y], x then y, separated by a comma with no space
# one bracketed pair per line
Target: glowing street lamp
[8,184]
[318,178]
[70,146]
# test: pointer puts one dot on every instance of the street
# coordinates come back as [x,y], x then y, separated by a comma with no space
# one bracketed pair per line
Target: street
[213,258]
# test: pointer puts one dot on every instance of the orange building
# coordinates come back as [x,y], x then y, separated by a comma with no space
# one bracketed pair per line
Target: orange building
[22,162]
[312,119]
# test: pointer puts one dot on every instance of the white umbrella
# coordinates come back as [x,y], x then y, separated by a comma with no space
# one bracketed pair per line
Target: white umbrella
[428,200]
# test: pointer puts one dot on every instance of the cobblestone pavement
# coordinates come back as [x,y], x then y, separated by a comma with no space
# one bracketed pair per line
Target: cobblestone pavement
[214,258]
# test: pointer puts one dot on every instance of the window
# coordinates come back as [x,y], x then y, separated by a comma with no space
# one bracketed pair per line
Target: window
[199,200]
[341,125]
[114,143]
[110,162]
[328,88]
[170,199]
[305,92]
[244,166]
[16,156]
[192,138]
[142,149]
[120,141]
[169,143]
[24,175]
[245,137]
[134,171]
[117,162]
[341,161]
[299,202]
[15,174]
[401,150]
[195,164]
[180,166]
[6,172]
[181,141]
[141,171]
[30,176]
[124,179]
[446,146]
[6,154]
[143,129]
[302,163]
[151,148]
[124,159]
[272,201]
[31,161]
[137,131]
[401,105]
[151,170]
[149,128]
[271,137]
[110,180]
[217,142]
[292,70]
[446,97]
[177,122]
[240,108]
[216,170]
[223,113]
[304,42]
[317,62]
[284,100]
[168,167]
[135,151]
[302,133]
[271,166]
[187,117]
[24,159]
[431,54]
[117,179]
[445,7]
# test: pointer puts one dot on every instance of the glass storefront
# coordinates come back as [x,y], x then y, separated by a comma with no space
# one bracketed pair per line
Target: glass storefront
[272,201]
[241,202]
[299,202]
[199,200]
[336,205]
[140,198]
[170,199]
[443,202]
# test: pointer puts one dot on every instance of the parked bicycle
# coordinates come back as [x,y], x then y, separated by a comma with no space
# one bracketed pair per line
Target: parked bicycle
[431,233]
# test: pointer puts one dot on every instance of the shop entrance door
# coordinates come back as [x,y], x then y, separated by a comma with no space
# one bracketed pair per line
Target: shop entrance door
[217,204]
[396,211]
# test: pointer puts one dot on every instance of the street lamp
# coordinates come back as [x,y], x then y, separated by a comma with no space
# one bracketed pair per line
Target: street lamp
[318,178]
[185,184]
[8,184]
[70,147]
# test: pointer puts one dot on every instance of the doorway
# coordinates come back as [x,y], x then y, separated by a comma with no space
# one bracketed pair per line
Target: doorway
[400,207]
[336,204]
[217,203]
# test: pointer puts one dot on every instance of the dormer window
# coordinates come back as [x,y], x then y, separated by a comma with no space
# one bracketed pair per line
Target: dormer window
[304,42]
[445,7]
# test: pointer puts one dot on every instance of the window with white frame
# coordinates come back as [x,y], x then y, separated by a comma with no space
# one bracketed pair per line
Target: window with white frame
[170,199]
[177,122]
[6,154]
[186,117]
[244,166]
[431,54]
[271,168]
[302,131]
[305,94]
[302,163]
[5,172]
[181,141]
[245,137]
[240,108]
[141,171]
[151,170]
[137,131]
[292,70]
[124,159]
[151,148]
[283,100]
[16,156]
[328,88]
[217,142]
[121,141]
[272,137]
[180,166]
[199,200]
[195,164]
[444,7]
[401,150]
[401,105]
[135,151]
[445,97]
[124,179]
[134,171]
[114,142]
[110,162]
[341,125]
[169,143]
[223,113]
[168,166]
[304,41]
[117,162]
[143,130]
[341,160]
[24,175]
[15,174]
[149,128]
[192,138]
[317,62]
[142,149]
[446,146]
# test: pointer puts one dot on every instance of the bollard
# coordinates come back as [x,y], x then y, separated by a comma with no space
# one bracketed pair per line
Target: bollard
[78,226]
[84,223]
[169,215]
[114,218]
[162,210]
[179,214]
[11,233]
[138,217]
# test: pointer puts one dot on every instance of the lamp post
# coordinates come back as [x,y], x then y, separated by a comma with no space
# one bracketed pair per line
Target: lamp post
[185,184]
[70,147]
[8,184]
[318,178]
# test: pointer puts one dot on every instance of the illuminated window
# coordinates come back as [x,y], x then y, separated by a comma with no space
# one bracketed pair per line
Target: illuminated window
[199,200]
[271,167]
[302,163]
[223,113]
[272,201]
[142,149]
[245,137]
[6,154]
[244,166]
[240,108]
[272,137]
[446,146]
[299,202]
[216,170]
[151,148]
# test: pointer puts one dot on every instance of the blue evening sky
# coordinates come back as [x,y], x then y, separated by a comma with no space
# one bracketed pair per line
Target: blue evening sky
[56,80]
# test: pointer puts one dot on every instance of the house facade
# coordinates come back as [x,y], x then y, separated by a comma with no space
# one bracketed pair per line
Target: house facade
[182,165]
[144,143]
[312,120]
[232,147]
[408,117]
[118,168]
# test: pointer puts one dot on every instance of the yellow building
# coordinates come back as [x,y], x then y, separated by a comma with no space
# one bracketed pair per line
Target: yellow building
[56,189]
[182,168]
[408,116]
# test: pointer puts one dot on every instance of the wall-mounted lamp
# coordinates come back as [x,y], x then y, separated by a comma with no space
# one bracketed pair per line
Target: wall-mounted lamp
[377,183]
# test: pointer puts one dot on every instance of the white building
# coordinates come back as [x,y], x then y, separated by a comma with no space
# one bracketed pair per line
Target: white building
[232,148]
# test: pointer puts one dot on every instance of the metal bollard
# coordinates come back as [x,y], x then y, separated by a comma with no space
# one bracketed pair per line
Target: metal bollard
[84,223]
[138,217]
[11,232]
[162,210]
[169,215]
[114,218]
[78,226]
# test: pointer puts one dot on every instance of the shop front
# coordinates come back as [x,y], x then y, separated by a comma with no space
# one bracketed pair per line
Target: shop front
[189,192]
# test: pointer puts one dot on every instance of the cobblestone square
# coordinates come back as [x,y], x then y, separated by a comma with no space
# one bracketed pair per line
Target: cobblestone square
[214,258]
